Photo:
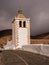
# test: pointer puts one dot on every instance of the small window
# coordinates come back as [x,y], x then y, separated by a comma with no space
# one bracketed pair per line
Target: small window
[24,24]
[20,23]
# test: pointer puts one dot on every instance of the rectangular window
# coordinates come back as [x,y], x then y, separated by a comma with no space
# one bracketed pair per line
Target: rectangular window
[24,24]
[20,23]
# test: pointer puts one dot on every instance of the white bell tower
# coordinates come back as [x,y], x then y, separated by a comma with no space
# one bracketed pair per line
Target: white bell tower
[21,30]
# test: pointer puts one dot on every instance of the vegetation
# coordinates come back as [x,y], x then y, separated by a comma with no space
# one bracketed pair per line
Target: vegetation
[5,32]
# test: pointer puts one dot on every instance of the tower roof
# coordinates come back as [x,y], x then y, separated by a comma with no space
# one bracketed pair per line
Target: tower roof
[20,14]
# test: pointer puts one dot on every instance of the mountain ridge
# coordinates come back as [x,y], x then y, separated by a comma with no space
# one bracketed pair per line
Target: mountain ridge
[9,32]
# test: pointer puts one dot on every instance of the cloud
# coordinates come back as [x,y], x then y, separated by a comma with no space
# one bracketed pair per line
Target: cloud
[37,10]
[4,22]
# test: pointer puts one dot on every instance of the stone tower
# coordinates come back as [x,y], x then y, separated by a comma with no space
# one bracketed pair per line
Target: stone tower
[21,30]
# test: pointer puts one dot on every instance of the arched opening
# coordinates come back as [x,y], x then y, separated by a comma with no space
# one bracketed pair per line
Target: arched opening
[24,24]
[20,23]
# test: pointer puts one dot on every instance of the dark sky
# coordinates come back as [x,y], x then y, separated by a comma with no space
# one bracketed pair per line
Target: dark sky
[37,10]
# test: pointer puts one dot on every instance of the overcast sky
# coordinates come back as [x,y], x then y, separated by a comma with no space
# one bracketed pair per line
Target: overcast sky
[37,10]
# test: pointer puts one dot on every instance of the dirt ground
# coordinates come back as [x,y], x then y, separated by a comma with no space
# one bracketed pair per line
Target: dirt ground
[18,57]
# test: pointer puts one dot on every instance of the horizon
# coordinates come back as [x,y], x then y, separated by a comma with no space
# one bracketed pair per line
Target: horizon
[1,31]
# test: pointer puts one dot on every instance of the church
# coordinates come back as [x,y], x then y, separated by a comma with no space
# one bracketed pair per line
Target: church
[21,37]
[20,30]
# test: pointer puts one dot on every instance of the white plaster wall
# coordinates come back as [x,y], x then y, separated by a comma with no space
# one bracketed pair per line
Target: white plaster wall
[42,49]
[22,36]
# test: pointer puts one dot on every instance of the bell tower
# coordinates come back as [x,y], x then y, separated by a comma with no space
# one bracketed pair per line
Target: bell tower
[21,30]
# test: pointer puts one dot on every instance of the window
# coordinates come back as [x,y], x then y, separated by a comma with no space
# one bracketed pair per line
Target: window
[20,23]
[24,24]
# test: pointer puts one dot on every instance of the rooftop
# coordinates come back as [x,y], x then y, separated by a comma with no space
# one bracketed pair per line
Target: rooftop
[20,14]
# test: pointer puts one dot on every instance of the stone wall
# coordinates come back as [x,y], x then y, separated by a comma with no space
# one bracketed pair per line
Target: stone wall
[32,41]
[39,41]
[4,39]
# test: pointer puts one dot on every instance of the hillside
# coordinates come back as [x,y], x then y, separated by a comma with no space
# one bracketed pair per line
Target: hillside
[17,57]
[41,36]
[5,32]
[9,32]
[7,35]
